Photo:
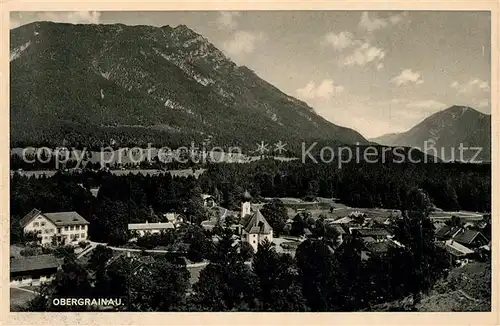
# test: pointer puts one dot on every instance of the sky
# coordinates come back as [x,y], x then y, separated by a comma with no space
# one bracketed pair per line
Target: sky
[377,72]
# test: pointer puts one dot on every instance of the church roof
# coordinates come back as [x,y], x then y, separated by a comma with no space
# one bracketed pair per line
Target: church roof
[246,196]
[258,224]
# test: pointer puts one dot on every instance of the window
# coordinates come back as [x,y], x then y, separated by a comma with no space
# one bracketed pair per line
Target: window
[35,224]
[58,230]
[66,228]
[82,235]
[72,228]
[77,236]
[83,227]
[254,241]
[77,227]
[42,224]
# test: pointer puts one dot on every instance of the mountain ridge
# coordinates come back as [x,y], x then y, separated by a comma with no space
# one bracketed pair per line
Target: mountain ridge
[142,84]
[446,130]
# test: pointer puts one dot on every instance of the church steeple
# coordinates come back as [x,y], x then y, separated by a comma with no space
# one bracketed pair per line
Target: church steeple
[245,204]
[246,196]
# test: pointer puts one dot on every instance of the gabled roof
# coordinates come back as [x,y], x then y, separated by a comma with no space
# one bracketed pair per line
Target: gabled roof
[151,226]
[258,224]
[66,218]
[467,236]
[343,220]
[29,217]
[338,229]
[372,232]
[446,232]
[378,247]
[457,249]
[32,263]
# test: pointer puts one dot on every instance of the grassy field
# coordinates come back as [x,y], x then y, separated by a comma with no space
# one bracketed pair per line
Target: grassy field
[19,298]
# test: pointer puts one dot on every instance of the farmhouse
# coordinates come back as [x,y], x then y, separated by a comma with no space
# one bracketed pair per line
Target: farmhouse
[142,229]
[378,235]
[471,238]
[257,230]
[61,228]
[208,200]
[447,232]
[33,270]
[457,250]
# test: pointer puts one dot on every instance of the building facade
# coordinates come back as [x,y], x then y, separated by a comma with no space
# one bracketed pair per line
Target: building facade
[256,231]
[141,229]
[33,270]
[62,228]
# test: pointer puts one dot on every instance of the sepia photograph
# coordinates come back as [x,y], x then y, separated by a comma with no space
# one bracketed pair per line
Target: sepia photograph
[250,161]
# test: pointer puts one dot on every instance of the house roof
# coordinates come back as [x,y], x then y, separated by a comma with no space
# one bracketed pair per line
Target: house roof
[372,232]
[66,218]
[457,249]
[151,226]
[338,229]
[258,224]
[467,236]
[378,247]
[28,217]
[32,263]
[59,219]
[446,231]
[343,220]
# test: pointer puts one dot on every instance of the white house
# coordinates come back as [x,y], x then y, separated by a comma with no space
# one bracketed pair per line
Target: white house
[208,200]
[33,270]
[152,228]
[62,228]
[257,230]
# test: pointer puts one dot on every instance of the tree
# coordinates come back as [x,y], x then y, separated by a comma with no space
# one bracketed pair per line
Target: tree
[100,256]
[199,244]
[427,262]
[160,286]
[298,225]
[246,251]
[276,215]
[226,283]
[319,275]
[279,289]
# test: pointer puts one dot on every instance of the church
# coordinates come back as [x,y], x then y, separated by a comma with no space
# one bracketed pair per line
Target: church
[257,229]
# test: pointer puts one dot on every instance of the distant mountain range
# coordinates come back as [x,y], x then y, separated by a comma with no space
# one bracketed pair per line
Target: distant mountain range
[131,85]
[446,130]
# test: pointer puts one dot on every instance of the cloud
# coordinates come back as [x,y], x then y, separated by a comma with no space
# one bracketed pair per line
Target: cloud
[406,77]
[483,104]
[372,23]
[474,85]
[340,41]
[72,17]
[243,42]
[364,54]
[325,89]
[426,105]
[227,19]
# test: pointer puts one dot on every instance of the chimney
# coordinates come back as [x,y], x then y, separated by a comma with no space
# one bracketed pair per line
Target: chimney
[146,222]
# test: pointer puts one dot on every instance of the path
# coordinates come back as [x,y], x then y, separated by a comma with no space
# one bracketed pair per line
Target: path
[23,289]
[467,296]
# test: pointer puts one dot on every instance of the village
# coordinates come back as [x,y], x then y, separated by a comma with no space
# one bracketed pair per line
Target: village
[466,236]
